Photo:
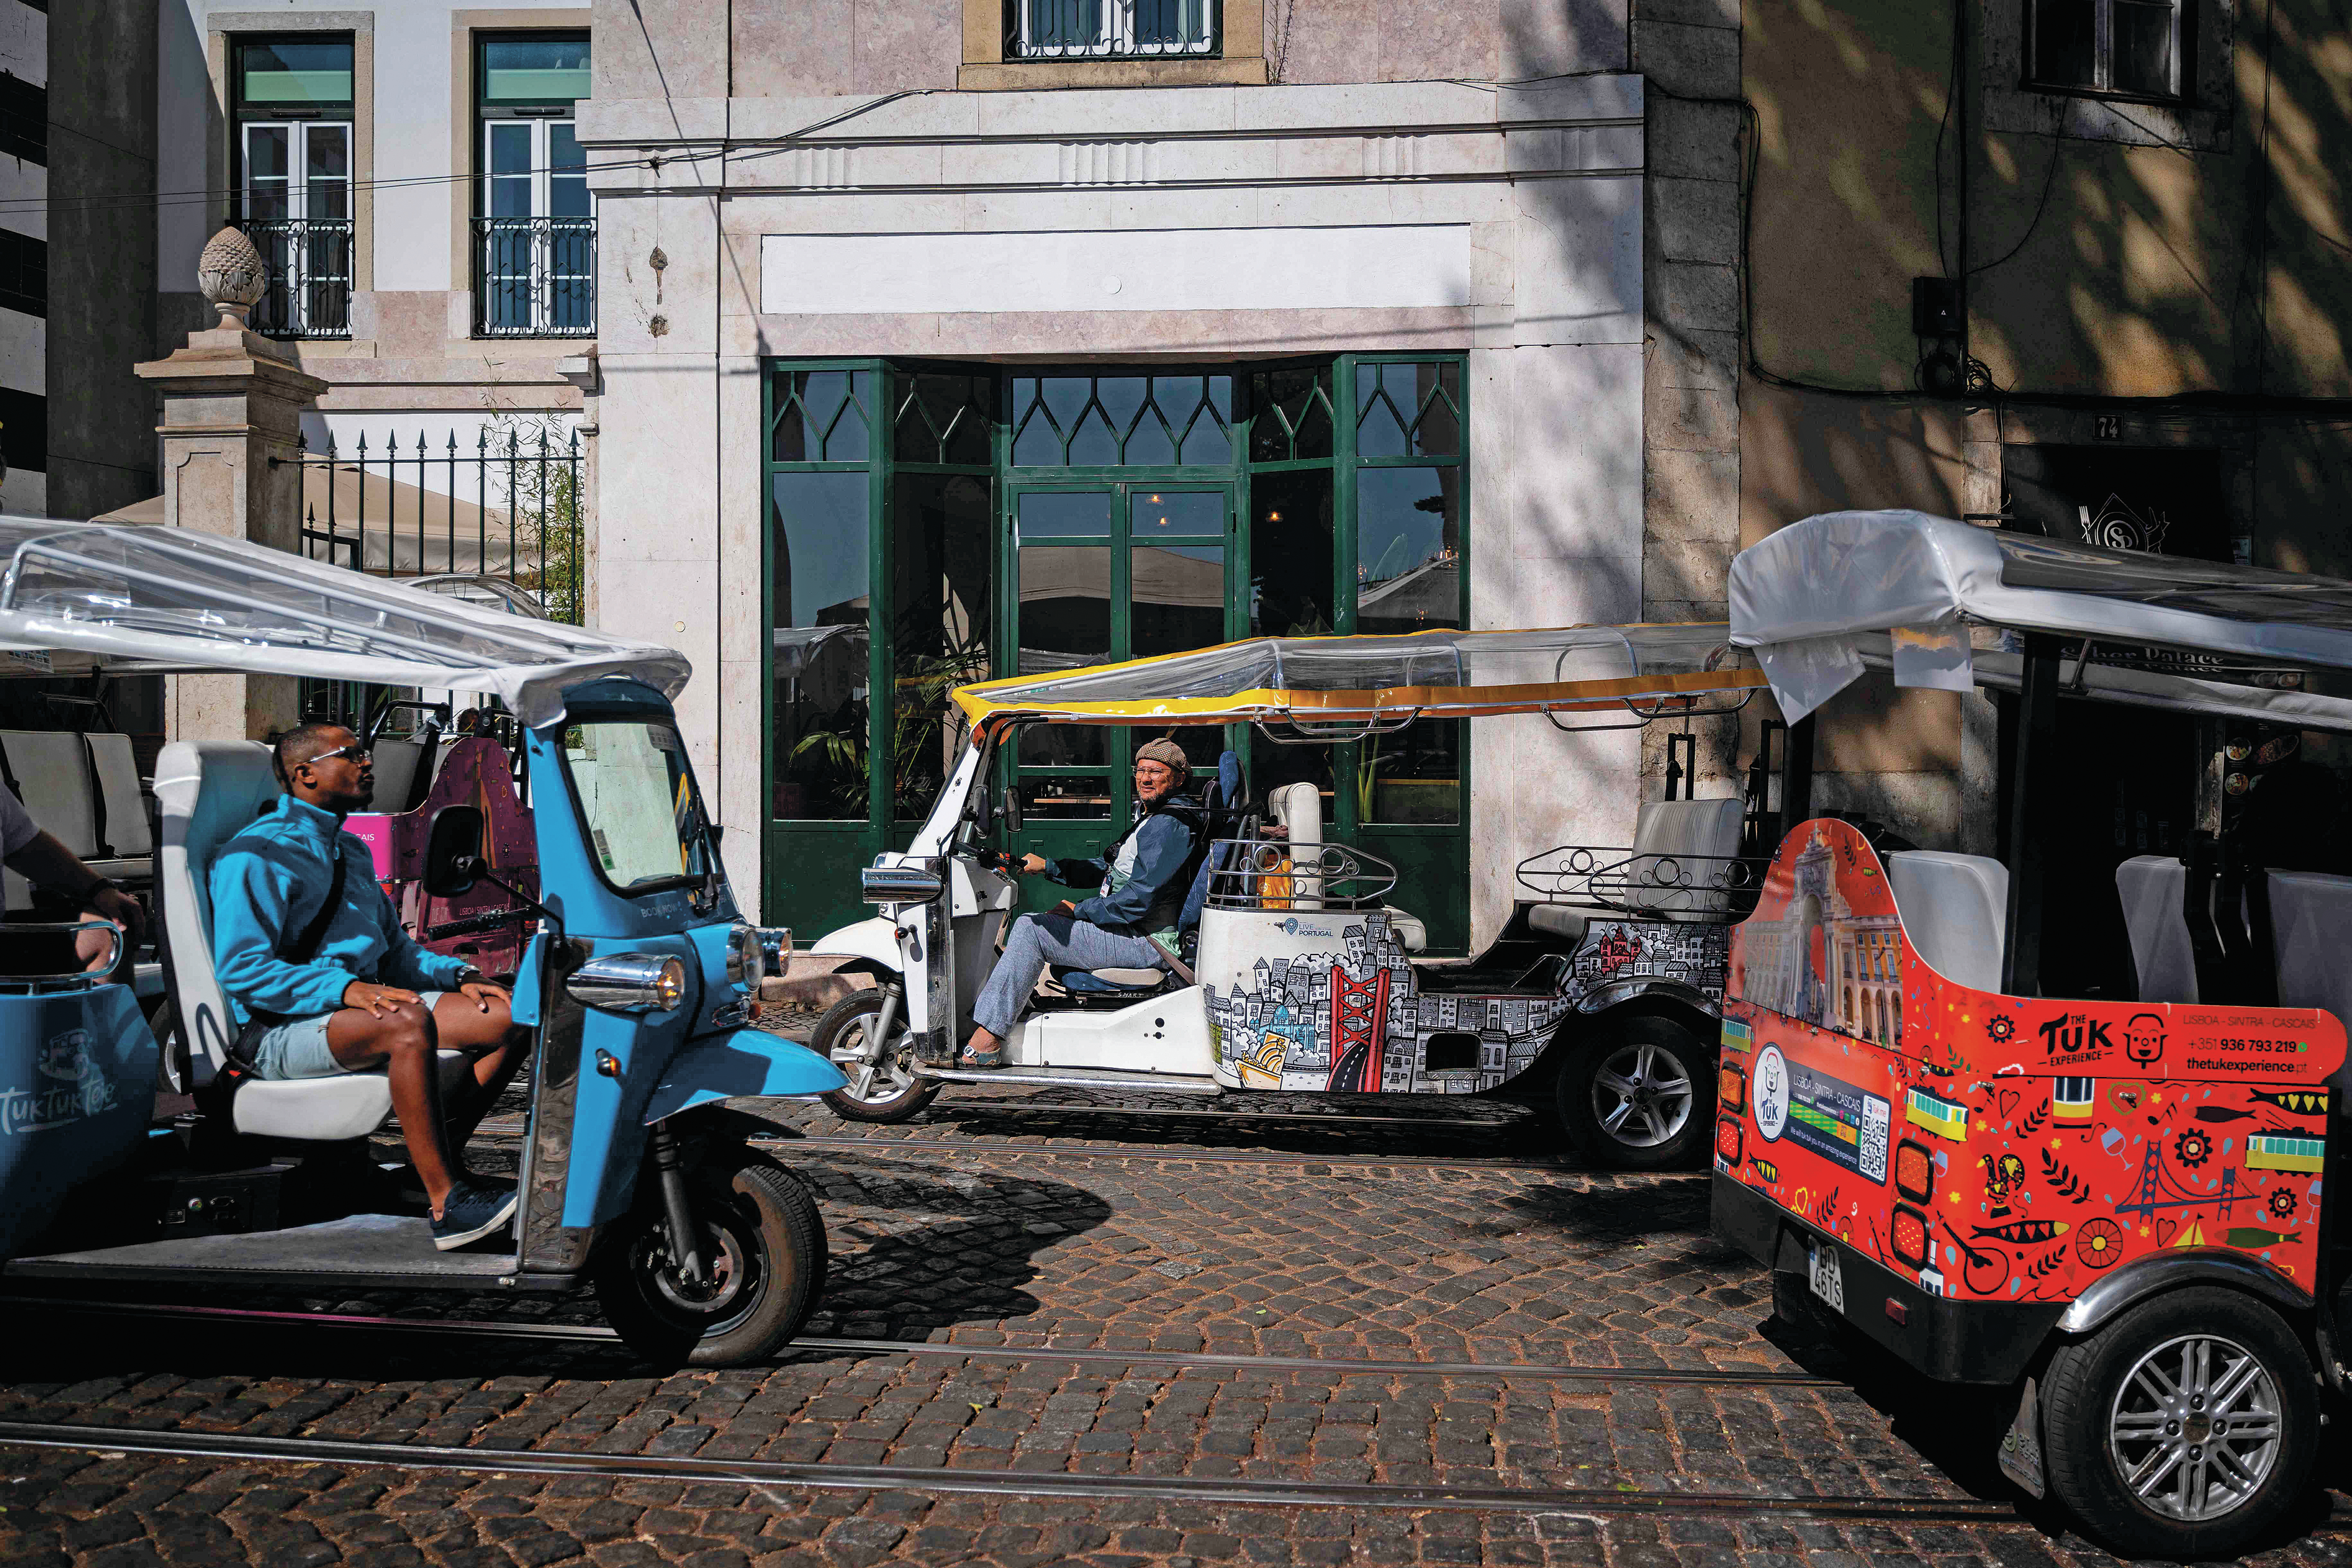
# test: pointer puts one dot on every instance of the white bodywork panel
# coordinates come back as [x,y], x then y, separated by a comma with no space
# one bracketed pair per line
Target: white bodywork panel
[1168,1032]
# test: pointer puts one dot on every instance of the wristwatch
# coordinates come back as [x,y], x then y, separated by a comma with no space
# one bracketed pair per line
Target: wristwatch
[99,884]
[469,975]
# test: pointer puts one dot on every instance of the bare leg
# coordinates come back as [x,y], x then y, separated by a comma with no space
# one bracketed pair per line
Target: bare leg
[401,1041]
[486,1027]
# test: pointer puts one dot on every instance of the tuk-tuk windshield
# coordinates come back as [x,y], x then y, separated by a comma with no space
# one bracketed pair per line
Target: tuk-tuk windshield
[637,800]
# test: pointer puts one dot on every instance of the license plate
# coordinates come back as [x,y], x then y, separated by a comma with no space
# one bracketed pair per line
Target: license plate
[1823,1274]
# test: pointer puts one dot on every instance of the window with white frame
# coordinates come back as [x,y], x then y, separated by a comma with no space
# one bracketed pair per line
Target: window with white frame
[2131,48]
[1110,29]
[535,227]
[292,102]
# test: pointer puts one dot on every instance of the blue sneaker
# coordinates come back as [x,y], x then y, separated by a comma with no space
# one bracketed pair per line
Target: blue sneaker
[471,1213]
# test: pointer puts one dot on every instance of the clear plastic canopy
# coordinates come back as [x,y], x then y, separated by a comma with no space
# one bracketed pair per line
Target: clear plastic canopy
[1803,596]
[127,597]
[1433,674]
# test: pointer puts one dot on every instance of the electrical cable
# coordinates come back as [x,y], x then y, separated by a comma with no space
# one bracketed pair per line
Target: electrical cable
[2048,178]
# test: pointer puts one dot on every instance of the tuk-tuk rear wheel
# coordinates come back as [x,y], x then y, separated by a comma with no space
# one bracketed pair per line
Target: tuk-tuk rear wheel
[1638,1093]
[882,1083]
[2185,1428]
[763,1255]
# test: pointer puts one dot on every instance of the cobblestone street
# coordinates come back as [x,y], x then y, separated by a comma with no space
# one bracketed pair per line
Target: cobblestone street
[1127,1333]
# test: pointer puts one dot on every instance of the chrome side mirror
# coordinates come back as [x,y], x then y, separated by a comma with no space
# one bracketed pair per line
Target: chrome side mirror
[900,884]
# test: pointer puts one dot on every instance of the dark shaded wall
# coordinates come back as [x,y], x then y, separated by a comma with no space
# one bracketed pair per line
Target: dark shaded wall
[102,281]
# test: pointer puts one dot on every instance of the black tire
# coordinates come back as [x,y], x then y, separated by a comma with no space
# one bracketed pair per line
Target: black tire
[1674,1053]
[896,1095]
[2091,1383]
[763,1239]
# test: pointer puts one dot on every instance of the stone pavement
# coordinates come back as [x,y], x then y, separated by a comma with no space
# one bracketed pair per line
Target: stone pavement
[1139,1237]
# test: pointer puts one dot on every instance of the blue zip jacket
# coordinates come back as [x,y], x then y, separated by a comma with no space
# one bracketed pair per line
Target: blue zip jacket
[1139,893]
[266,884]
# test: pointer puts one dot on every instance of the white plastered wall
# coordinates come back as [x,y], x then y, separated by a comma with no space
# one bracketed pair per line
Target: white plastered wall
[1524,218]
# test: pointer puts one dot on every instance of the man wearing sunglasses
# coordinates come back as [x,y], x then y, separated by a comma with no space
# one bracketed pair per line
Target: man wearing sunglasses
[313,958]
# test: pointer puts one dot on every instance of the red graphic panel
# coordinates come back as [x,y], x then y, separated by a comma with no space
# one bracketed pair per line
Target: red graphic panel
[2003,1148]
[1360,1018]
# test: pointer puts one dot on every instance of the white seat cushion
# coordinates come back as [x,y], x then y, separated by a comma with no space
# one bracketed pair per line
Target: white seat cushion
[116,768]
[1684,845]
[2311,925]
[2151,888]
[1559,921]
[327,1109]
[1411,933]
[1955,910]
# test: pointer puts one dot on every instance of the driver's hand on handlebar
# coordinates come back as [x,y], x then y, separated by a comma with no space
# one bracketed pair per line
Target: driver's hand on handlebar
[1034,864]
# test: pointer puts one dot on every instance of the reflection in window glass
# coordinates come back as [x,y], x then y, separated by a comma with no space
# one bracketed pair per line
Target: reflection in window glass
[939,637]
[818,560]
[1409,410]
[1176,584]
[1290,413]
[1062,551]
[821,415]
[1408,549]
[1411,776]
[638,798]
[1290,555]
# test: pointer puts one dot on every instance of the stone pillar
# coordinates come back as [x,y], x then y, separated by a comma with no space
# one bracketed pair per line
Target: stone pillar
[233,405]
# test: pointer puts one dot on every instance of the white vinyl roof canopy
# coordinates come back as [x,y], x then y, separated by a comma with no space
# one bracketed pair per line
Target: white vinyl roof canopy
[1804,597]
[147,599]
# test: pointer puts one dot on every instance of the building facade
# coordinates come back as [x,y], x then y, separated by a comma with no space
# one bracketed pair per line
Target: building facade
[77,117]
[942,340]
[411,176]
[2075,268]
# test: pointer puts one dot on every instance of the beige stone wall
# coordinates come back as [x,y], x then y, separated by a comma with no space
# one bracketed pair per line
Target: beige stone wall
[2148,272]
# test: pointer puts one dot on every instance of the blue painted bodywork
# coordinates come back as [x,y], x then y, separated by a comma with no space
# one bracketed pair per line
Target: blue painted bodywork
[77,1090]
[663,1062]
[523,1006]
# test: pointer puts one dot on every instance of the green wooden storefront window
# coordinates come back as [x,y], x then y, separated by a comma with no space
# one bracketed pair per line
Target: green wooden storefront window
[988,520]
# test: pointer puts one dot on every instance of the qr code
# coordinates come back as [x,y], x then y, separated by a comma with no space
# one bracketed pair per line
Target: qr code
[1876,1115]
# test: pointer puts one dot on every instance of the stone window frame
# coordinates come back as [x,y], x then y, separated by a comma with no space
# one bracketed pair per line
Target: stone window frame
[2199,122]
[464,27]
[221,30]
[1239,62]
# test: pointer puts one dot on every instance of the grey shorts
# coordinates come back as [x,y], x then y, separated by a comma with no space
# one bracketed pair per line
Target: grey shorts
[297,1047]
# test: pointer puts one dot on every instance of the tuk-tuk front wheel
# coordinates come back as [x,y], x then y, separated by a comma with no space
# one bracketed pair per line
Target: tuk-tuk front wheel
[1638,1094]
[2183,1428]
[881,1071]
[762,1252]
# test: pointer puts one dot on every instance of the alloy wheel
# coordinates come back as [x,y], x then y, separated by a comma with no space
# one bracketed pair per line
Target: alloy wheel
[2196,1427]
[1641,1096]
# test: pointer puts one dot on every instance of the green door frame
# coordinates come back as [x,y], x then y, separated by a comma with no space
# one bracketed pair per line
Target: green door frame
[1439,851]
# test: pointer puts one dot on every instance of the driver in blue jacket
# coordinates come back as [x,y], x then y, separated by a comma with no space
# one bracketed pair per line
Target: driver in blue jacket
[1129,924]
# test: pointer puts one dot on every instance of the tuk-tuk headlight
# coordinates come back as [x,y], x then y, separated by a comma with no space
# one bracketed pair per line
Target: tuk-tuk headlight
[629,983]
[746,963]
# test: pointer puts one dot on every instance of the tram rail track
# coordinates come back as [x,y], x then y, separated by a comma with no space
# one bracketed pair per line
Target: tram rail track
[585,1333]
[842,1477]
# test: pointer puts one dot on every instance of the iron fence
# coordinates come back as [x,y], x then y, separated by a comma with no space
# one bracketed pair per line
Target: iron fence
[1109,29]
[404,511]
[534,277]
[306,266]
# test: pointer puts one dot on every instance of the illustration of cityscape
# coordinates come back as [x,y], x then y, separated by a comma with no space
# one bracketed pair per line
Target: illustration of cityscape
[1367,1020]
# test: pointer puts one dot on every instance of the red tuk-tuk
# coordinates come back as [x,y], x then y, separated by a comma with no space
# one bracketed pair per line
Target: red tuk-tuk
[1934,1128]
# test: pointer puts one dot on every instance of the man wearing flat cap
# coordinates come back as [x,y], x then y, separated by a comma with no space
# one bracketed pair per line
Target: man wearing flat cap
[1130,923]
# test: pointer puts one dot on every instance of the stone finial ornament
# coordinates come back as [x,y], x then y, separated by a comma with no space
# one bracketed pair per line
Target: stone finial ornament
[231,275]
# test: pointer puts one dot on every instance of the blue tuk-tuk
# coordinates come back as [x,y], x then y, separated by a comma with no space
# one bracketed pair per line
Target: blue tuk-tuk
[639,985]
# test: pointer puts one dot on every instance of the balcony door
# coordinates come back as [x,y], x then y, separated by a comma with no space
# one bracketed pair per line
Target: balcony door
[298,208]
[1103,572]
[537,249]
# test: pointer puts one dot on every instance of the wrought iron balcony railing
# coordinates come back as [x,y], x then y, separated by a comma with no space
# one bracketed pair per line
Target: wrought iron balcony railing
[534,277]
[1110,29]
[307,264]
